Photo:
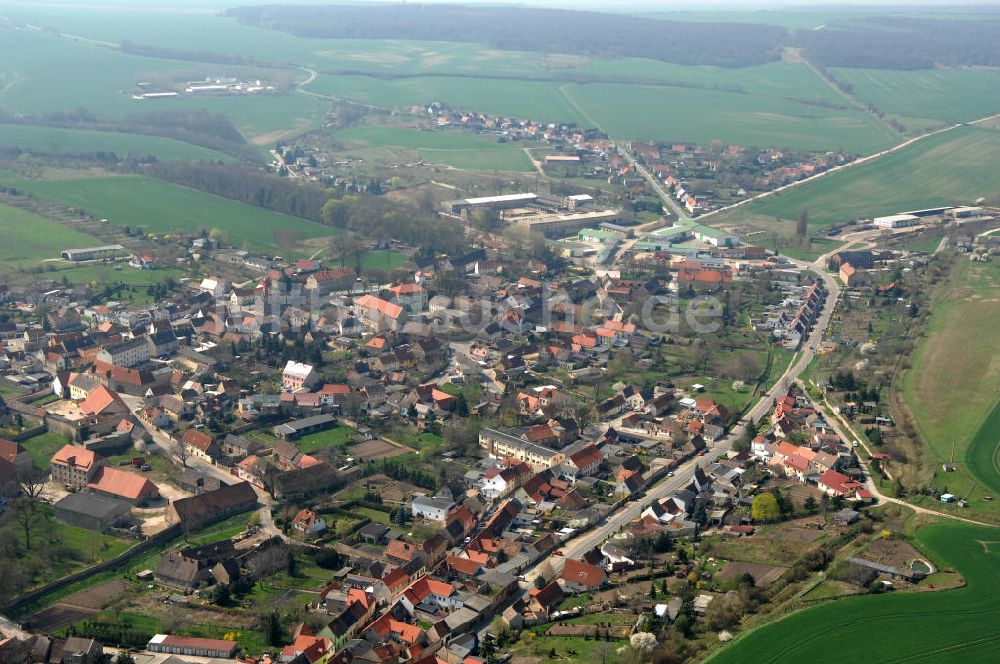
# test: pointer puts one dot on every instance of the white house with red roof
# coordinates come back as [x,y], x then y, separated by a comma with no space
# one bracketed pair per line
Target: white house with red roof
[430,595]
[578,576]
[583,463]
[835,484]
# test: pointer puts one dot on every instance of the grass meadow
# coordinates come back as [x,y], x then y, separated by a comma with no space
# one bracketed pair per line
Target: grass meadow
[951,386]
[956,625]
[952,168]
[159,207]
[459,150]
[26,238]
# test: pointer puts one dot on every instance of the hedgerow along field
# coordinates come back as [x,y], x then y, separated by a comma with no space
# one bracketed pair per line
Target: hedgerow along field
[951,386]
[958,625]
[159,207]
[459,150]
[952,168]
[60,141]
[27,238]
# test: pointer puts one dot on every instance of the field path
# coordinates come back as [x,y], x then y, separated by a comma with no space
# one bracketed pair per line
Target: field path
[575,104]
[857,162]
[848,97]
[534,162]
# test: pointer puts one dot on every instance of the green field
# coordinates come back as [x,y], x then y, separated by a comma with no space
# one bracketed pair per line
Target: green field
[952,168]
[459,150]
[55,140]
[27,238]
[159,207]
[538,100]
[951,387]
[654,112]
[947,626]
[758,105]
[954,95]
[107,274]
[383,260]
[671,113]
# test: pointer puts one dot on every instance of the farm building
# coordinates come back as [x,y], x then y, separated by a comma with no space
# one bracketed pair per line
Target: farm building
[887,570]
[896,221]
[597,236]
[210,506]
[466,206]
[189,645]
[92,253]
[964,212]
[123,485]
[561,159]
[306,425]
[86,510]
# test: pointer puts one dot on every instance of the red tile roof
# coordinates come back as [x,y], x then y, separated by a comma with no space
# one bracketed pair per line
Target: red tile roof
[586,456]
[125,484]
[378,304]
[99,400]
[9,450]
[76,457]
[835,481]
[464,565]
[198,439]
[583,574]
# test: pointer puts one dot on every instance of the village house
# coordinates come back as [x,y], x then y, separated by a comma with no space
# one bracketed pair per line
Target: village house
[298,376]
[585,462]
[379,315]
[433,508]
[201,445]
[580,577]
[128,353]
[74,466]
[309,524]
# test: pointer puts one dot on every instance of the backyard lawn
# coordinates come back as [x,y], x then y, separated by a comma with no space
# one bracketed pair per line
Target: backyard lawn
[338,436]
[43,446]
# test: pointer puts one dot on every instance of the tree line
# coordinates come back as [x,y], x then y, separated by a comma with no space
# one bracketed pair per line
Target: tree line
[896,42]
[246,185]
[529,29]
[889,42]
